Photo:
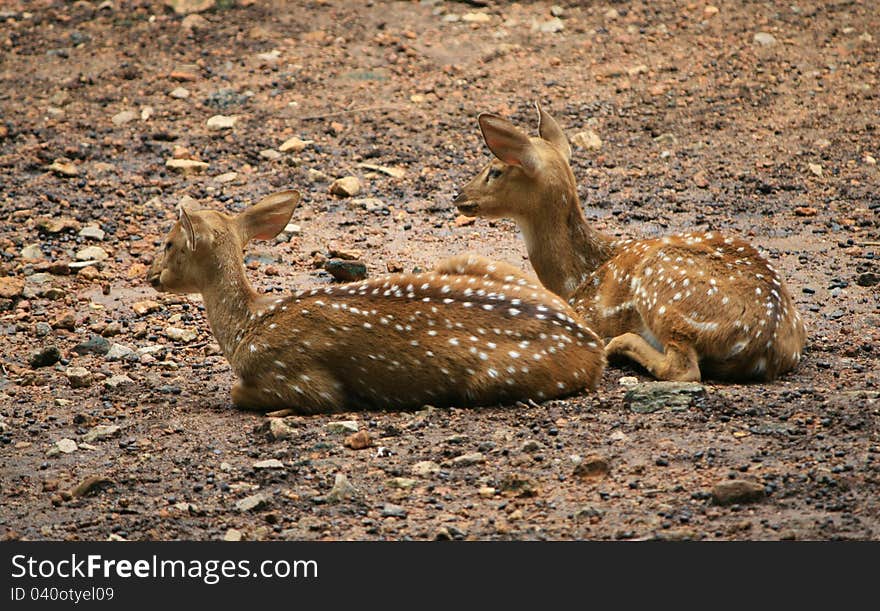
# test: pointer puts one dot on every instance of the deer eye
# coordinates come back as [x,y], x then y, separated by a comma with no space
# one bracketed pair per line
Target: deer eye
[167,245]
[494,173]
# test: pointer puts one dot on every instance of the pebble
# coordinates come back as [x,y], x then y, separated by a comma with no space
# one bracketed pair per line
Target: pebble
[592,467]
[868,279]
[764,39]
[464,221]
[278,429]
[666,139]
[94,345]
[291,230]
[42,329]
[66,445]
[252,502]
[342,490]
[179,93]
[65,321]
[805,211]
[552,26]
[186,166]
[649,397]
[118,381]
[628,381]
[587,139]
[466,460]
[32,252]
[317,176]
[710,11]
[403,483]
[118,352]
[815,169]
[180,335]
[728,492]
[358,441]
[79,377]
[221,122]
[346,271]
[11,287]
[185,7]
[342,426]
[92,253]
[487,492]
[384,169]
[226,177]
[370,204]
[44,357]
[126,116]
[348,186]
[389,510]
[557,11]
[233,534]
[92,232]
[476,17]
[531,446]
[145,307]
[271,463]
[57,225]
[194,22]
[424,468]
[64,167]
[294,145]
[270,154]
[102,431]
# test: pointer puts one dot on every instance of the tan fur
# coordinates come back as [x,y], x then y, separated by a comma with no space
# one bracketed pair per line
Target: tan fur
[472,332]
[684,306]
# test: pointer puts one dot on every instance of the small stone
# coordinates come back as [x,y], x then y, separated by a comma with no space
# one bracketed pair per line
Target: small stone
[389,510]
[252,502]
[278,429]
[342,426]
[729,492]
[271,463]
[226,177]
[710,11]
[358,441]
[194,22]
[64,167]
[92,253]
[118,381]
[552,26]
[666,139]
[94,345]
[476,17]
[66,445]
[348,186]
[425,468]
[868,279]
[118,352]
[370,204]
[466,460]
[79,377]
[587,139]
[145,307]
[270,154]
[180,335]
[185,7]
[805,211]
[179,93]
[464,221]
[870,160]
[516,484]
[221,122]
[294,145]
[487,492]
[92,232]
[42,329]
[403,483]
[815,169]
[557,11]
[11,287]
[186,166]
[342,490]
[764,39]
[102,431]
[65,321]
[649,397]
[384,169]
[701,179]
[628,381]
[269,58]
[346,271]
[291,230]
[44,357]
[232,534]
[32,252]
[532,446]
[126,116]
[592,467]
[57,225]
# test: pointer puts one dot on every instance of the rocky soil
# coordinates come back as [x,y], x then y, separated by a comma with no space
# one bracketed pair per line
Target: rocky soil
[756,119]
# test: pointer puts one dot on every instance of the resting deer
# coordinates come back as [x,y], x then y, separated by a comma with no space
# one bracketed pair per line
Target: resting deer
[682,306]
[470,332]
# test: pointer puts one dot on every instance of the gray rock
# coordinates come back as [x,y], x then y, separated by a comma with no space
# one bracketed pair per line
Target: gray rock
[270,154]
[425,468]
[652,396]
[552,26]
[294,145]
[179,93]
[79,377]
[92,232]
[102,432]
[180,335]
[118,381]
[342,490]
[531,446]
[764,39]
[370,204]
[466,460]
[252,502]
[221,122]
[232,534]
[342,426]
[92,253]
[592,467]
[118,352]
[94,345]
[32,251]
[346,271]
[44,357]
[348,186]
[733,491]
[270,463]
[126,116]
[42,329]
[390,510]
[278,429]
[587,139]
[66,445]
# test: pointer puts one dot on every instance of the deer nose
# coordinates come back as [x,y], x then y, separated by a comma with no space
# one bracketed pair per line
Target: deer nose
[153,279]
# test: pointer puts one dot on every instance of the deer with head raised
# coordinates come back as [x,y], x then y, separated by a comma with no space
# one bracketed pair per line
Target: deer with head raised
[471,332]
[684,306]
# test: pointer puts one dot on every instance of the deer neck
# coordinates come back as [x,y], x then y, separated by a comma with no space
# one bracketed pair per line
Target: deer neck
[229,303]
[562,246]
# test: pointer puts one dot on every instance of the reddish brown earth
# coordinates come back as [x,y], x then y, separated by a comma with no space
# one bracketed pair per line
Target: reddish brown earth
[702,127]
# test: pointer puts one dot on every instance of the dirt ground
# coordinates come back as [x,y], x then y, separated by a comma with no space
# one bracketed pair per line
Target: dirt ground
[760,119]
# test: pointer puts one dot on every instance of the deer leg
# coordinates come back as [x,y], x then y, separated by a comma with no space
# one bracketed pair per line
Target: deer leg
[308,392]
[677,363]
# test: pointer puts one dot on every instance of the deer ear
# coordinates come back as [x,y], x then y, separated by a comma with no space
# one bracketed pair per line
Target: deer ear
[550,131]
[268,217]
[188,229]
[509,144]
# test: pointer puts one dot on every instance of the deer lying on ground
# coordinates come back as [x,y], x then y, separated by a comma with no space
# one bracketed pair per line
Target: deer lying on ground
[470,332]
[682,306]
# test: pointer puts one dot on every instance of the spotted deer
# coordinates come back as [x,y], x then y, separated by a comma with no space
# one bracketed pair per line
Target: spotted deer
[471,332]
[682,306]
